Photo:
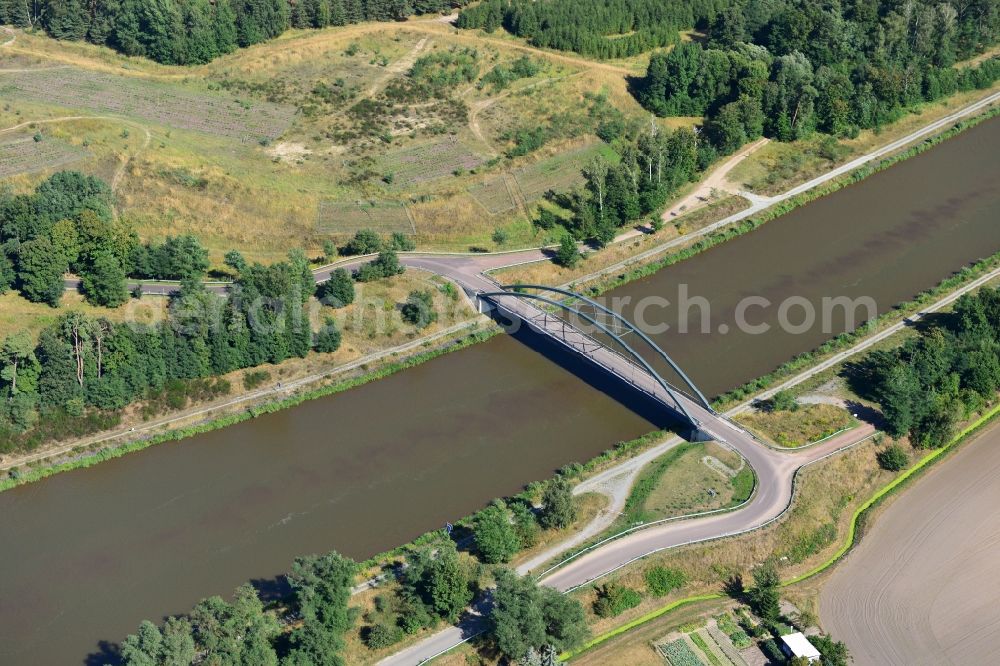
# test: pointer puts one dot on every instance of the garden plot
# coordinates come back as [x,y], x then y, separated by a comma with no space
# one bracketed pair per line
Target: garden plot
[494,195]
[347,217]
[558,173]
[429,161]
[24,155]
[219,114]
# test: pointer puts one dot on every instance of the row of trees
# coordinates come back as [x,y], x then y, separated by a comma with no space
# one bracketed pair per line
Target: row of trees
[243,632]
[787,69]
[435,585]
[184,32]
[82,361]
[932,380]
[525,618]
[599,28]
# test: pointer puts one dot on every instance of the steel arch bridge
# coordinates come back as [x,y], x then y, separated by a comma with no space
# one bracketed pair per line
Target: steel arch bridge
[534,303]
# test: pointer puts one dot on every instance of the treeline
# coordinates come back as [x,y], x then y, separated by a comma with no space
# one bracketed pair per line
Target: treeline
[599,28]
[436,585]
[185,32]
[649,168]
[787,69]
[244,632]
[949,371]
[66,225]
[80,363]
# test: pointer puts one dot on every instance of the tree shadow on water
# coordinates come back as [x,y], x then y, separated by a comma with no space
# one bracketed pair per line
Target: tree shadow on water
[272,589]
[107,653]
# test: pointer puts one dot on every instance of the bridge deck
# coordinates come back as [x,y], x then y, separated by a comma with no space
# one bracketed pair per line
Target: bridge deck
[606,358]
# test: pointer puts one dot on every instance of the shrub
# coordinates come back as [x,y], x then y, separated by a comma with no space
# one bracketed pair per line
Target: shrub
[772,651]
[414,616]
[740,639]
[401,242]
[661,581]
[496,538]
[783,401]
[255,378]
[328,338]
[893,458]
[338,291]
[382,636]
[419,308]
[558,510]
[525,523]
[385,265]
[614,599]
[499,236]
[568,254]
[365,241]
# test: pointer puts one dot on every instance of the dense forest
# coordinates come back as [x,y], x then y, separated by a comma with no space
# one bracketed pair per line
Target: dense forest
[787,69]
[949,371]
[599,28]
[187,32]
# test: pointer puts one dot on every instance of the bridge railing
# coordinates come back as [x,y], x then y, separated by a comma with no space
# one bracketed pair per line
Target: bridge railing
[521,316]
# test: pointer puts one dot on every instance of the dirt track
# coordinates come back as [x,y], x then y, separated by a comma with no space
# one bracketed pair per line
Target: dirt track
[922,587]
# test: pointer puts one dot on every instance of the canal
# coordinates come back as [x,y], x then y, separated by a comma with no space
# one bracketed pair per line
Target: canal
[88,554]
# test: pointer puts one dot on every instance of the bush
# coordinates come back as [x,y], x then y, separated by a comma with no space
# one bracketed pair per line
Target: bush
[385,265]
[365,241]
[328,338]
[893,458]
[614,599]
[772,651]
[558,510]
[419,309]
[661,581]
[414,617]
[255,378]
[568,255]
[496,538]
[525,523]
[338,291]
[401,242]
[382,636]
[740,639]
[783,401]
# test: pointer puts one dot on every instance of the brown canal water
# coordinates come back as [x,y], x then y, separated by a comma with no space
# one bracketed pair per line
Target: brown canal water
[88,554]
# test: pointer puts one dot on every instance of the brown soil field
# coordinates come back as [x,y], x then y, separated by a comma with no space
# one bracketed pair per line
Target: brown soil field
[922,586]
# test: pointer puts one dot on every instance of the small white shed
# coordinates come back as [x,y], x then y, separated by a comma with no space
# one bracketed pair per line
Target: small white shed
[797,645]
